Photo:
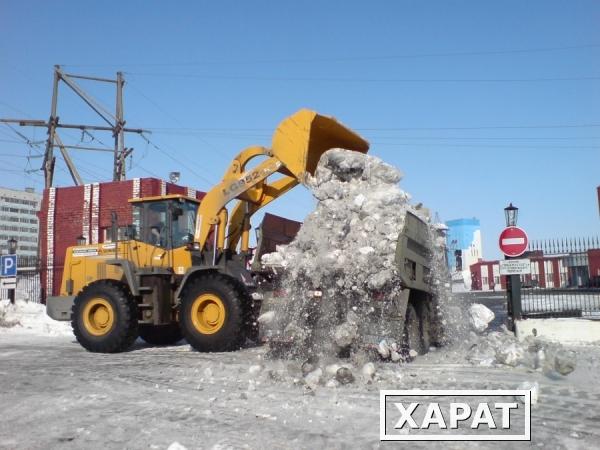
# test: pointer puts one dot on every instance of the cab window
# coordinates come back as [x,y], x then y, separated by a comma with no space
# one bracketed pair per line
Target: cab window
[184,223]
[150,221]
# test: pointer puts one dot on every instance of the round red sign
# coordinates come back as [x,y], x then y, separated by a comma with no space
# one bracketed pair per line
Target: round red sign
[513,241]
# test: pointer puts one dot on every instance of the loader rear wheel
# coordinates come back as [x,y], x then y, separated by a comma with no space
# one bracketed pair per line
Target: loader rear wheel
[211,314]
[161,334]
[104,318]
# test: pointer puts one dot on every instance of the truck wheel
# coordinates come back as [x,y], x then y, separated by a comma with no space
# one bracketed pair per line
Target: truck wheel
[412,331]
[426,327]
[251,325]
[211,314]
[161,334]
[104,318]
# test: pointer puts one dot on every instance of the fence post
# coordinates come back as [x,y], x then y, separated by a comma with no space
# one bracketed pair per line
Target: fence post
[514,296]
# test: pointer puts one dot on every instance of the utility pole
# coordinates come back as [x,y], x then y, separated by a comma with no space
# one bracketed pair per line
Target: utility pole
[115,124]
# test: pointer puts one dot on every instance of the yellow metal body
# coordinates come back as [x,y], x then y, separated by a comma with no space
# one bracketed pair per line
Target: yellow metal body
[88,263]
[298,143]
[98,316]
[208,314]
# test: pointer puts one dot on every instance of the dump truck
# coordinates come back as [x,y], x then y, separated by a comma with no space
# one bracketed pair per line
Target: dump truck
[410,319]
[182,268]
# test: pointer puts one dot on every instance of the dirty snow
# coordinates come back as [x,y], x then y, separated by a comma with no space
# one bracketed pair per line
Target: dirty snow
[346,249]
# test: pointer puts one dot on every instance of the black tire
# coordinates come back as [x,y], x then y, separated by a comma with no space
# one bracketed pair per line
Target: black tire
[104,318]
[251,325]
[426,327]
[221,298]
[412,331]
[161,334]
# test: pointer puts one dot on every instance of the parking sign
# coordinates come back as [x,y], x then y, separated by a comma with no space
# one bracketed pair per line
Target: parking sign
[8,265]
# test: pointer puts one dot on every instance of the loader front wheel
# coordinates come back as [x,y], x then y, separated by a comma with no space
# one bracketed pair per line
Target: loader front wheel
[104,318]
[161,334]
[211,314]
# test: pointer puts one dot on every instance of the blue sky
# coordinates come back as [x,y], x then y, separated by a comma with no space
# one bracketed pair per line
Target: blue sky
[479,103]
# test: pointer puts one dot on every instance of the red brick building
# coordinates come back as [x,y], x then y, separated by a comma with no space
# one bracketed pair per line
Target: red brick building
[576,269]
[68,213]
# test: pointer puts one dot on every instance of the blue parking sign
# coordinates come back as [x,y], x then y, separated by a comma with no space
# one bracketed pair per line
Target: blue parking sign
[8,264]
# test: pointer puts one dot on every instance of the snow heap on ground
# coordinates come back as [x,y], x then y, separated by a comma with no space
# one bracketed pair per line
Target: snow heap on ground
[346,248]
[30,317]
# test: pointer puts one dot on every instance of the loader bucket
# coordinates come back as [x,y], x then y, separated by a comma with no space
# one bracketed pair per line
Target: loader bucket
[301,139]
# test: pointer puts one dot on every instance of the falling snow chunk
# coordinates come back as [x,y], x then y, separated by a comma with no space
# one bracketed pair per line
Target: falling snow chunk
[266,318]
[480,316]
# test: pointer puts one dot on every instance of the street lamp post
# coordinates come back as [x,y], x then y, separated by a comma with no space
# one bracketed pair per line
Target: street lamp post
[511,213]
[12,250]
[513,285]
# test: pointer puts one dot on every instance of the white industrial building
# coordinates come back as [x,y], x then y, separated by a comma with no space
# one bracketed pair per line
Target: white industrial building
[18,220]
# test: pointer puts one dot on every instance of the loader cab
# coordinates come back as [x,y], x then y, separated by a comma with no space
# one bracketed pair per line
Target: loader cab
[167,222]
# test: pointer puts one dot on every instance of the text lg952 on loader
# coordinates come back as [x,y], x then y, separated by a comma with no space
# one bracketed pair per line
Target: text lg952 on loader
[182,271]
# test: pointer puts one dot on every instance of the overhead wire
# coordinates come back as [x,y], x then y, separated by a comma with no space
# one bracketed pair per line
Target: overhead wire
[366,80]
[351,58]
[183,164]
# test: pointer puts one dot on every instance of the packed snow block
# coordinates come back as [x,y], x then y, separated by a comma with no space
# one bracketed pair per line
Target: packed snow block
[480,316]
[69,213]
[511,355]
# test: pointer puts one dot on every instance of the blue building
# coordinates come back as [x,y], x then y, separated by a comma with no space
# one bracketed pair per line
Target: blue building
[463,240]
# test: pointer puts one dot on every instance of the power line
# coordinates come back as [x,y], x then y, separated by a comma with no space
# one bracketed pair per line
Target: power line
[408,144]
[172,117]
[159,130]
[183,164]
[367,80]
[490,127]
[352,58]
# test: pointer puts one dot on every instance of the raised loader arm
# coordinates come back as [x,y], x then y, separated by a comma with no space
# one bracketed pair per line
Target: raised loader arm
[298,143]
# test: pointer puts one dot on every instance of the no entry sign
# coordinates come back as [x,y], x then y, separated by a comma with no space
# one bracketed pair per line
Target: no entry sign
[513,241]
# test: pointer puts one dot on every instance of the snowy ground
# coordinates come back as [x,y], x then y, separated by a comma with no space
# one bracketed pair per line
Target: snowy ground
[54,394]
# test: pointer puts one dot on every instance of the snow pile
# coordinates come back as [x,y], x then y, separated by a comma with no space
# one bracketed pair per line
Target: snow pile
[345,251]
[501,348]
[30,317]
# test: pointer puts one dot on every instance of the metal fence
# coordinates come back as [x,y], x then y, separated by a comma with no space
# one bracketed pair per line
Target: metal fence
[29,285]
[564,279]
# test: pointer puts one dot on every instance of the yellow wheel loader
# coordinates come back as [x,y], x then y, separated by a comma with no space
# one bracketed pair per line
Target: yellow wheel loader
[183,269]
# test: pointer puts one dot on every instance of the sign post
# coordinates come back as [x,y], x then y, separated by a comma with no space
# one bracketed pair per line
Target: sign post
[513,242]
[8,275]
